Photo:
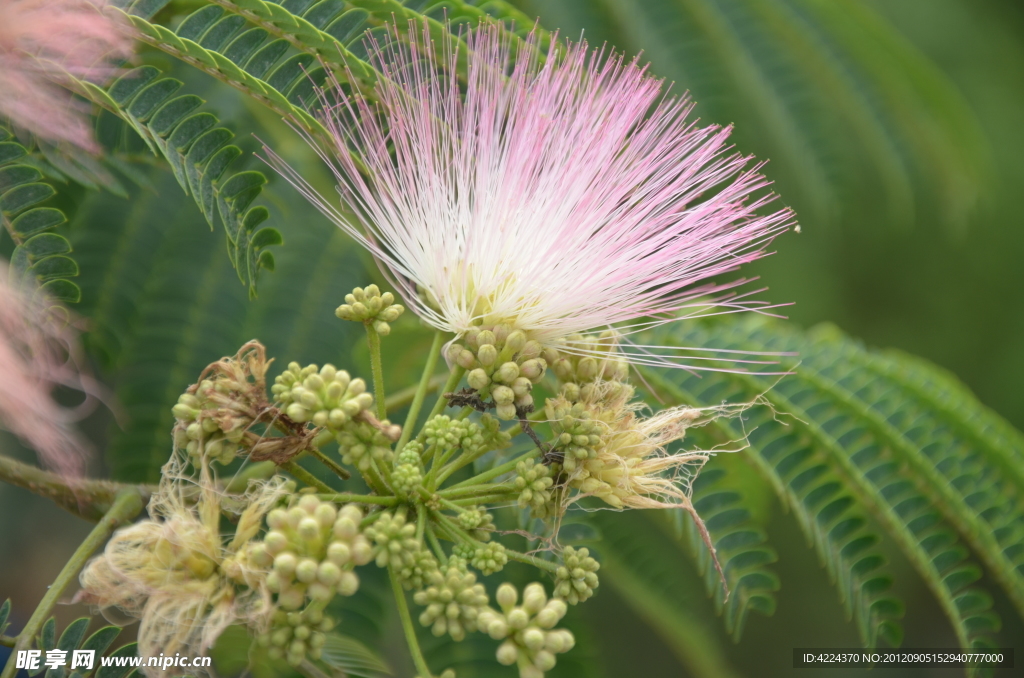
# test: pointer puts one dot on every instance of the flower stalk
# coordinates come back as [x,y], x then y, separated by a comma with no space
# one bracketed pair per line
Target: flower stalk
[127,504]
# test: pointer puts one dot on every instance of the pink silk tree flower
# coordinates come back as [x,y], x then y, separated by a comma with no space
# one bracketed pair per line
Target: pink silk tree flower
[555,196]
[38,352]
[40,42]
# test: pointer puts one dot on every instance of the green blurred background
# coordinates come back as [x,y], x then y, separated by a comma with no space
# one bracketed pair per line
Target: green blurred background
[913,240]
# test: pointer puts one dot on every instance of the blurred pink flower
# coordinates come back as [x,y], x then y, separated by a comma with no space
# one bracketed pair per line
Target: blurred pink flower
[40,41]
[38,349]
[558,196]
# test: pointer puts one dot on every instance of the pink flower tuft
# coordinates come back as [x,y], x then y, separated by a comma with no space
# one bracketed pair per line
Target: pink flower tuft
[559,195]
[40,41]
[37,348]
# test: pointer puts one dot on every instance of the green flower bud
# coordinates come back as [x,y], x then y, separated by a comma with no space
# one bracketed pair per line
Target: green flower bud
[328,573]
[516,341]
[339,553]
[487,354]
[503,395]
[534,598]
[506,596]
[478,379]
[508,653]
[507,373]
[506,412]
[285,564]
[291,599]
[486,337]
[306,570]
[533,639]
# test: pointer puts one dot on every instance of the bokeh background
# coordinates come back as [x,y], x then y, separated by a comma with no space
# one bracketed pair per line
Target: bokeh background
[912,236]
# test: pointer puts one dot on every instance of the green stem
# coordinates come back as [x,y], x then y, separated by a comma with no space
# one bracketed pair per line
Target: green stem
[435,544]
[126,506]
[484,499]
[407,626]
[374,478]
[400,399]
[305,476]
[7,641]
[482,488]
[88,499]
[331,464]
[495,472]
[421,523]
[373,339]
[446,529]
[259,470]
[421,390]
[347,498]
[456,464]
[453,380]
[428,482]
[449,504]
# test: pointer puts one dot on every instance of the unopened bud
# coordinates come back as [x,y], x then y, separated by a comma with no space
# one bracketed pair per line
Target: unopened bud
[486,337]
[284,564]
[328,573]
[339,553]
[478,379]
[349,583]
[507,373]
[319,592]
[507,653]
[487,354]
[516,341]
[587,369]
[518,618]
[544,660]
[506,596]
[534,598]
[533,639]
[503,395]
[306,570]
[506,412]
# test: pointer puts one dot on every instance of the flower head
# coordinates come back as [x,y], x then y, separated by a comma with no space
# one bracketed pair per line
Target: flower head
[38,348]
[40,42]
[553,195]
[176,573]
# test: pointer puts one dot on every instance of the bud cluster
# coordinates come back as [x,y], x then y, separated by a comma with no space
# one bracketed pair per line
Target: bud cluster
[577,434]
[214,415]
[311,549]
[294,635]
[398,548]
[487,558]
[576,579]
[590,368]
[477,522]
[407,477]
[534,483]
[325,396]
[449,434]
[531,640]
[453,599]
[360,442]
[502,363]
[204,429]
[371,307]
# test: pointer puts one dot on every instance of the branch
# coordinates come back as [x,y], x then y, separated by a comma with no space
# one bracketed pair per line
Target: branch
[127,504]
[86,498]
